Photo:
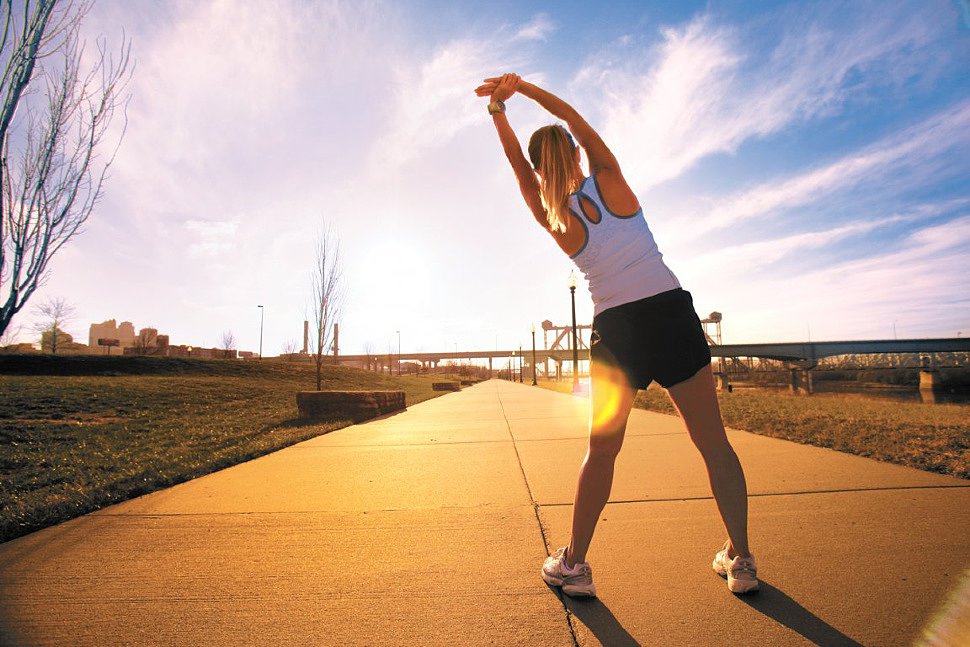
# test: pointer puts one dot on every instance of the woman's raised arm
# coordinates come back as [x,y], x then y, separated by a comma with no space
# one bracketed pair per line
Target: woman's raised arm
[599,154]
[500,91]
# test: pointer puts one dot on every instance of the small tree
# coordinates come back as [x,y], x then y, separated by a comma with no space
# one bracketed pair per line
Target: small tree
[146,343]
[52,316]
[53,118]
[326,294]
[289,349]
[228,344]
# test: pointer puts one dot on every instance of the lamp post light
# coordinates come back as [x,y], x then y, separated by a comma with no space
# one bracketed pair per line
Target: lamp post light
[572,294]
[534,381]
[399,353]
[261,313]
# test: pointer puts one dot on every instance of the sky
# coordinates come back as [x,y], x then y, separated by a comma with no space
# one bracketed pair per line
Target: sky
[804,166]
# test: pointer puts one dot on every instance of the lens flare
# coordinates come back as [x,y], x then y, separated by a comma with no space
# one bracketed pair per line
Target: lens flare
[610,396]
[950,624]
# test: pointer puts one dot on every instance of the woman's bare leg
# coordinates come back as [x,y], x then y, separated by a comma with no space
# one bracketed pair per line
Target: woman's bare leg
[696,399]
[611,401]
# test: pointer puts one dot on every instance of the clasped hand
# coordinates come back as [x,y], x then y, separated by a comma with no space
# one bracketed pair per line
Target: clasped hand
[499,88]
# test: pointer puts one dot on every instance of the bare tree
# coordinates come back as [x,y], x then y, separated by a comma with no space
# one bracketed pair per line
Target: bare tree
[369,353]
[53,118]
[289,349]
[326,293]
[52,316]
[228,344]
[146,343]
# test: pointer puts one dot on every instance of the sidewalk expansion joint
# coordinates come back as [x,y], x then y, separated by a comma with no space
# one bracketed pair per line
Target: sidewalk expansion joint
[427,444]
[771,494]
[535,509]
[585,437]
[229,513]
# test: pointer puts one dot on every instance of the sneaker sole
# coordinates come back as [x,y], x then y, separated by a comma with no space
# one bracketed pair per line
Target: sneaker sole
[578,593]
[741,586]
[550,580]
[568,590]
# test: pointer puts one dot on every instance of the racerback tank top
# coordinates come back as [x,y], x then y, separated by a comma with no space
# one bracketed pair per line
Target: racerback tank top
[620,258]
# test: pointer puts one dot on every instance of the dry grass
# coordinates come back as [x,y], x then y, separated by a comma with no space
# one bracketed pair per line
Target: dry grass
[73,443]
[931,437]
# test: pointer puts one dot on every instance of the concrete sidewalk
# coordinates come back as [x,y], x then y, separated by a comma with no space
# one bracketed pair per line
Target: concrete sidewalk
[429,527]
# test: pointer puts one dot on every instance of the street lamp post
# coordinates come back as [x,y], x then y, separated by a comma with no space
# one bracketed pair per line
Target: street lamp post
[261,312]
[521,360]
[399,353]
[512,368]
[572,294]
[534,381]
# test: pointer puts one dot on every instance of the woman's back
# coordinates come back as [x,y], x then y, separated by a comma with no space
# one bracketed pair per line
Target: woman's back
[620,258]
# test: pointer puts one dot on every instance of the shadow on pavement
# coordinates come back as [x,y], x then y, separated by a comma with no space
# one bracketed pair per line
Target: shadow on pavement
[775,604]
[599,620]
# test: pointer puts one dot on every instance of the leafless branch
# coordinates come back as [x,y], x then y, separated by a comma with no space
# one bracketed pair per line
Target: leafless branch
[54,118]
[228,344]
[52,316]
[326,293]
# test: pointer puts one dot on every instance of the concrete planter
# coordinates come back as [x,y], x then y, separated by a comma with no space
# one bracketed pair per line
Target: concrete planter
[445,386]
[352,405]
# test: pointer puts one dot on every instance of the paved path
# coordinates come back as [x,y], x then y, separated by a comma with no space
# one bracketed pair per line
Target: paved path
[429,527]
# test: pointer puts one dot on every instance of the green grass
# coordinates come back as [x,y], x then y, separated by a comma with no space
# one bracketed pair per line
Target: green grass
[931,437]
[77,435]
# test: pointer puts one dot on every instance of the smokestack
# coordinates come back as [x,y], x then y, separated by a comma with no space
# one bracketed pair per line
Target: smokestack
[306,336]
[336,338]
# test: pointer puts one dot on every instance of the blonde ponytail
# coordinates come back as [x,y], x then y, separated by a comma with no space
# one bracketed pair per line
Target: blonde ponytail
[551,152]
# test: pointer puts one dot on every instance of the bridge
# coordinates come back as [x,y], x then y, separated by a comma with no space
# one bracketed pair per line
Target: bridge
[800,355]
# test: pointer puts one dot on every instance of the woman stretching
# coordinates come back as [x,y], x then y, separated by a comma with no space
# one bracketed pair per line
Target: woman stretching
[644,326]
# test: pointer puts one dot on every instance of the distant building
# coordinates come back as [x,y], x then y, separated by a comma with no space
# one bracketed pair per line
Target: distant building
[65,343]
[148,342]
[19,349]
[193,351]
[125,333]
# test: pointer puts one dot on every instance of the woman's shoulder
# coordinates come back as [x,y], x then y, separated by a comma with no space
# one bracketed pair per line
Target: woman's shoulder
[614,193]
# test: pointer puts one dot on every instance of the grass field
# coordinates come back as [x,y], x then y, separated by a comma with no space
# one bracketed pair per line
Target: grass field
[931,437]
[77,434]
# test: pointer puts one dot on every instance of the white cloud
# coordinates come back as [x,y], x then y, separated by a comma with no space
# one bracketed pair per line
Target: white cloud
[915,283]
[537,29]
[916,150]
[211,238]
[703,90]
[749,257]
[435,99]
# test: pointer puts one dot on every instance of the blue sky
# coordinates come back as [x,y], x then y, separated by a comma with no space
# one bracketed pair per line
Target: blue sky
[804,166]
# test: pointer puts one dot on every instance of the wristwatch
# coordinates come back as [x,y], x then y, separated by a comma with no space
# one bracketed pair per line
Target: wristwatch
[496,106]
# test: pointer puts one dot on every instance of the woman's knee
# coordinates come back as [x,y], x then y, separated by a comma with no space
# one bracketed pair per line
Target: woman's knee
[714,447]
[605,444]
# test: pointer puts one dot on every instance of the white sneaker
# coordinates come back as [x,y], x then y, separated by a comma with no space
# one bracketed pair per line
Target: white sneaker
[576,583]
[741,572]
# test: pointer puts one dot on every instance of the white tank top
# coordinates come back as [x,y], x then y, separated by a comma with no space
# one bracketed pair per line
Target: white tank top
[620,257]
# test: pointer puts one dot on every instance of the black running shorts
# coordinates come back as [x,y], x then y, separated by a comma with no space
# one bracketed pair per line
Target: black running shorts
[658,338]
